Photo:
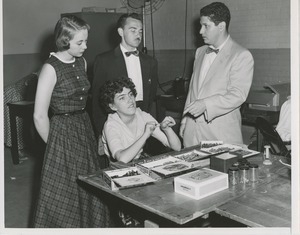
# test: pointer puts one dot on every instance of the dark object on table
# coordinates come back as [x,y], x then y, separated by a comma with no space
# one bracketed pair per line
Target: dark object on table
[222,164]
[272,138]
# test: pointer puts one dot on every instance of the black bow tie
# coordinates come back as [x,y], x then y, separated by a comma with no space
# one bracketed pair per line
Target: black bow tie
[128,53]
[209,50]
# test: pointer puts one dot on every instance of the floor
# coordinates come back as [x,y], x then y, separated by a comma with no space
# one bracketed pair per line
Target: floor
[20,188]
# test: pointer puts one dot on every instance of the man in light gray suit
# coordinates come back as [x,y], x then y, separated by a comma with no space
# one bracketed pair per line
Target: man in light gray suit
[222,77]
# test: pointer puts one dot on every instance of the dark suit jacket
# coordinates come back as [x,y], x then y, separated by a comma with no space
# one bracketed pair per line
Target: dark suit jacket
[111,65]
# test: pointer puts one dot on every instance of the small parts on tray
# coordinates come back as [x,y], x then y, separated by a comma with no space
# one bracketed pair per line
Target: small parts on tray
[129,173]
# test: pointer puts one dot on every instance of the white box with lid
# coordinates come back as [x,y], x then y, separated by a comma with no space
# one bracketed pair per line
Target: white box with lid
[201,183]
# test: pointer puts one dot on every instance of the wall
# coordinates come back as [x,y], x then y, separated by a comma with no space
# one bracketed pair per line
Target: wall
[26,35]
[254,23]
[261,25]
[26,38]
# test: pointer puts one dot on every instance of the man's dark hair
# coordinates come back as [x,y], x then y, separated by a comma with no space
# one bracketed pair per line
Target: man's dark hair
[110,88]
[217,12]
[122,20]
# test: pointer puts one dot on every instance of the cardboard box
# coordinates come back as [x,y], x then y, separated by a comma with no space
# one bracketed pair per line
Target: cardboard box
[201,183]
[195,157]
[124,178]
[147,165]
[172,169]
[238,150]
[223,161]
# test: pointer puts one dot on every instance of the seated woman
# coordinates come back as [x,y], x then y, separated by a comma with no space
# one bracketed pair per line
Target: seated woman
[127,127]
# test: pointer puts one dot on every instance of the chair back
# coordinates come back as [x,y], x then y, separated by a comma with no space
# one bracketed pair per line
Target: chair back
[272,137]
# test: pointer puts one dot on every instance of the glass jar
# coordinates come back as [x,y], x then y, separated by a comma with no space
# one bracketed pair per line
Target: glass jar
[233,175]
[253,172]
[244,174]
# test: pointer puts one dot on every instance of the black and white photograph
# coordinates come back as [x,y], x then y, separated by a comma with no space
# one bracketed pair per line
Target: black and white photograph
[108,105]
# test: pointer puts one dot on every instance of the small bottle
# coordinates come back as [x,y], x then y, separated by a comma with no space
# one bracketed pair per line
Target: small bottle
[244,174]
[253,173]
[267,160]
[233,174]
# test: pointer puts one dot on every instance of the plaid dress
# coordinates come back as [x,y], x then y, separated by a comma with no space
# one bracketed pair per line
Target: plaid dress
[71,150]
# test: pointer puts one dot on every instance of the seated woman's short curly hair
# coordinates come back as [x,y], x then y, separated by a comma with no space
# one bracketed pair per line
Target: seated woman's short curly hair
[110,88]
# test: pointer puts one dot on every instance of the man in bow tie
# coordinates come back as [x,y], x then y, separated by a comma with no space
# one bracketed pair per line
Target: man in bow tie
[222,77]
[125,60]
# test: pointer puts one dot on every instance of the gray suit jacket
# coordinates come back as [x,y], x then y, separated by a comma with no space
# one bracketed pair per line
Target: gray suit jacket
[224,89]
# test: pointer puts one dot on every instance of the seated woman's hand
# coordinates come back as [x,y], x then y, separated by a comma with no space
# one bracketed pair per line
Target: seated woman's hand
[167,122]
[149,128]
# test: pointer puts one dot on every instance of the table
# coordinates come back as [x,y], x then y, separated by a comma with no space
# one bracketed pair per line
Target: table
[18,109]
[268,204]
[160,199]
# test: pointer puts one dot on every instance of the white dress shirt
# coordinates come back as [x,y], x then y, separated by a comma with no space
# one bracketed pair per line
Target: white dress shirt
[209,59]
[133,66]
[207,62]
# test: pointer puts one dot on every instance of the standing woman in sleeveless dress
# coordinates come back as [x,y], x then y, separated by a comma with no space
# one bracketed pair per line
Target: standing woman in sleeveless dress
[71,148]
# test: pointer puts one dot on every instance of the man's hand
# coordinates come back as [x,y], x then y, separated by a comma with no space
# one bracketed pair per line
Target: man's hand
[196,108]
